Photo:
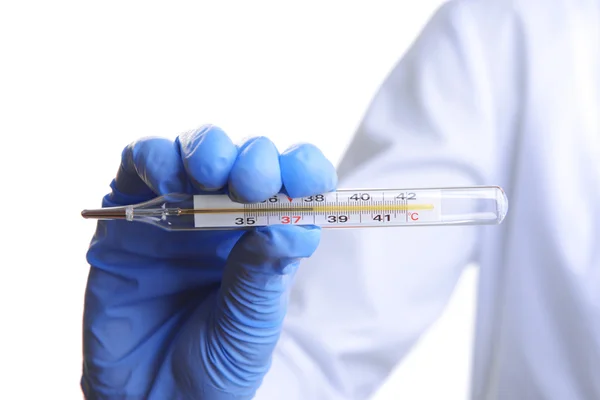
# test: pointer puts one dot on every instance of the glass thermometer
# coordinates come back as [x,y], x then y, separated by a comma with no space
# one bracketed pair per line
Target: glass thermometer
[344,208]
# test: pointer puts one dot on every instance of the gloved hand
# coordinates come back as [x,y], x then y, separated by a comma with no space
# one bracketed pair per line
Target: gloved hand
[194,315]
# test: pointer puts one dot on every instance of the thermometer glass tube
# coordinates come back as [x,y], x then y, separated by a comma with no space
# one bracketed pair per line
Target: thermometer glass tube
[344,208]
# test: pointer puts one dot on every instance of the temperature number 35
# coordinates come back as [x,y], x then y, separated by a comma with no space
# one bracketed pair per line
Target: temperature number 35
[245,221]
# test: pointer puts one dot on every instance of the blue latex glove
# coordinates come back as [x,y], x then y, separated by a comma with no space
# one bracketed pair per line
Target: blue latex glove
[194,315]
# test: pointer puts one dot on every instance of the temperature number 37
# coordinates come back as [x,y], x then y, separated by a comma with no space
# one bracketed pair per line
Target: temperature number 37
[290,220]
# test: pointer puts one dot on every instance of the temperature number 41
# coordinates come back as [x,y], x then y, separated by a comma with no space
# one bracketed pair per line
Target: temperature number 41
[382,218]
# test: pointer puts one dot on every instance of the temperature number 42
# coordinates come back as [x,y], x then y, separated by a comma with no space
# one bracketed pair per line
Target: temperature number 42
[407,196]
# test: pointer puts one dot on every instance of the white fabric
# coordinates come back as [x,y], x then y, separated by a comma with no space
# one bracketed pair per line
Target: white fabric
[492,92]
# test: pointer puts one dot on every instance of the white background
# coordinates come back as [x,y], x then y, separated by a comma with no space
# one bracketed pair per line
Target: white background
[80,80]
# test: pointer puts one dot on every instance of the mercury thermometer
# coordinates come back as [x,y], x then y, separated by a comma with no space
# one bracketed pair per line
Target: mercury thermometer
[344,208]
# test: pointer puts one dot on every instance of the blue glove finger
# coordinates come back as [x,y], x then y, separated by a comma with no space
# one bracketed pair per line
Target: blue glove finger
[208,155]
[256,175]
[305,171]
[149,167]
[226,355]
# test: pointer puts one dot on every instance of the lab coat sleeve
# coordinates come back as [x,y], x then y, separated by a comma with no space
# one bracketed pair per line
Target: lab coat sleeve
[366,296]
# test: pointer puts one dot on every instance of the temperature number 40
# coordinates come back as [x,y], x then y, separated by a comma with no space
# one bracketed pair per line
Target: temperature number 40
[360,196]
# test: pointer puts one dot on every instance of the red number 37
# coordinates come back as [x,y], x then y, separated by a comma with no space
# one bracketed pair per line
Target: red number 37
[288,220]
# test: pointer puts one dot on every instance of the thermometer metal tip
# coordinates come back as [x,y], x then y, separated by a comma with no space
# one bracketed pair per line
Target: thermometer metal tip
[105,213]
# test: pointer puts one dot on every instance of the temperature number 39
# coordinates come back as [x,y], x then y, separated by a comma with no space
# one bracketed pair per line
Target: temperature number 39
[337,219]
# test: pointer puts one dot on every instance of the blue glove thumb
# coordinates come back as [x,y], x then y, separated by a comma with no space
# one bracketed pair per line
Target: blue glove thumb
[225,350]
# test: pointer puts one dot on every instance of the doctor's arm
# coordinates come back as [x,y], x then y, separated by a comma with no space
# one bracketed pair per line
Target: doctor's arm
[365,297]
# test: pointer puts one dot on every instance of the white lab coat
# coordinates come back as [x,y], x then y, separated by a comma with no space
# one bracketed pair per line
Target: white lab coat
[491,92]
